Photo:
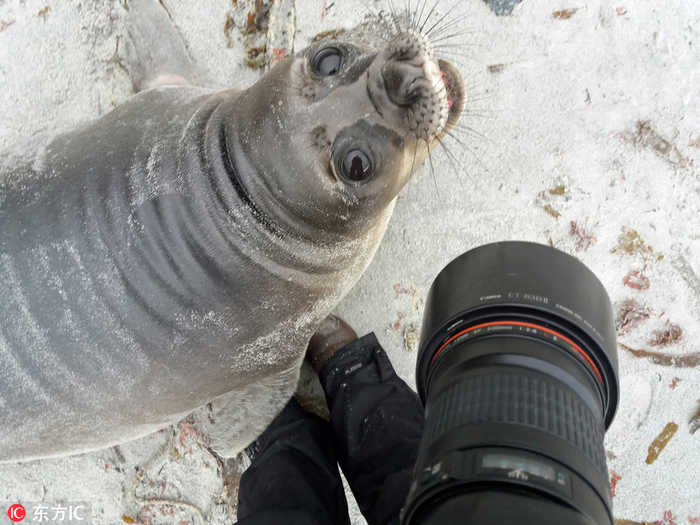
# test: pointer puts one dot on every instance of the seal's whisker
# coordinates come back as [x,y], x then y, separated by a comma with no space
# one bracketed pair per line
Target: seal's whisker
[409,14]
[463,48]
[451,158]
[436,41]
[440,19]
[478,157]
[430,13]
[394,16]
[471,131]
[478,96]
[478,92]
[453,136]
[450,25]
[466,147]
[461,31]
[486,114]
[480,102]
[463,55]
[450,53]
[476,110]
[415,152]
[475,154]
[458,59]
[451,11]
[431,28]
[443,22]
[419,15]
[432,168]
[415,14]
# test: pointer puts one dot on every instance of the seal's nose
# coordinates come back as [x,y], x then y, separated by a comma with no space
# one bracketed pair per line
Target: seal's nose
[401,79]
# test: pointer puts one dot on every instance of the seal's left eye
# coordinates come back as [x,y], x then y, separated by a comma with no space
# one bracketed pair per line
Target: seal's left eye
[327,62]
[356,166]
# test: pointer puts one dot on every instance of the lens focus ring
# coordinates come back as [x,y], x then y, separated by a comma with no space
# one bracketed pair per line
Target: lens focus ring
[531,400]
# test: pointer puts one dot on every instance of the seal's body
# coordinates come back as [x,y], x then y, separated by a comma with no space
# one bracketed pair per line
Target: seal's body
[182,249]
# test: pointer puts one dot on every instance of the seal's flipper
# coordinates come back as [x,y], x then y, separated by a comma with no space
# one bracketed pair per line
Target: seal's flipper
[233,420]
[154,50]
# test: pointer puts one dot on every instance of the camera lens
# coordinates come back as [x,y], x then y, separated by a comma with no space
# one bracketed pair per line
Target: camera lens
[517,370]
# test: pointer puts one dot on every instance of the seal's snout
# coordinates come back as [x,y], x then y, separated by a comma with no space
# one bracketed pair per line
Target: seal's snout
[420,85]
[403,82]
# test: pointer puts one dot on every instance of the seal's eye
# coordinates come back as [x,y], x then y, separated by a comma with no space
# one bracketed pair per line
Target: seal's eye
[327,62]
[356,166]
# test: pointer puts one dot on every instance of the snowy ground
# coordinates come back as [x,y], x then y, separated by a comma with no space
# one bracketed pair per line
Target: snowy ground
[587,136]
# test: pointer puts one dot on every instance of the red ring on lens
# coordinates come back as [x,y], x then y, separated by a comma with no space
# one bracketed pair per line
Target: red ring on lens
[576,348]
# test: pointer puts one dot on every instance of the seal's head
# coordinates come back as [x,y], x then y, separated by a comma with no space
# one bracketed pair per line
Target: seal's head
[338,129]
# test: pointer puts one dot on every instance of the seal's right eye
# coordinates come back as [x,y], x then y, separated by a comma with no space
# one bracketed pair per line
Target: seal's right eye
[327,62]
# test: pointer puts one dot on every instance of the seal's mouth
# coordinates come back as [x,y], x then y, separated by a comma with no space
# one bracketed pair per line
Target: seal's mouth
[455,92]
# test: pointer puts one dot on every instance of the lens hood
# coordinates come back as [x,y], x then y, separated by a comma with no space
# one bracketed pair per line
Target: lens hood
[539,285]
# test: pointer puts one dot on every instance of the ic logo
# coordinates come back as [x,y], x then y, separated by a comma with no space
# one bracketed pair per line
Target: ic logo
[16,512]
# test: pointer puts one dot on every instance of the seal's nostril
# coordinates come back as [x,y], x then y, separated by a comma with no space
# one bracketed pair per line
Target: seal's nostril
[402,82]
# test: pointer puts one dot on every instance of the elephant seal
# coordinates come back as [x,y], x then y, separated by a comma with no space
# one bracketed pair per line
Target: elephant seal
[180,251]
